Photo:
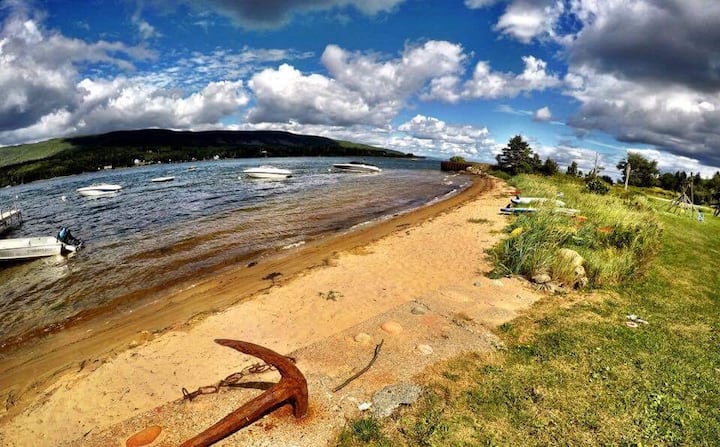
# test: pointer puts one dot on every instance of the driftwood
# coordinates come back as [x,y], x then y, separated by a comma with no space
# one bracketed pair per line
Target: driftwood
[362,371]
[292,388]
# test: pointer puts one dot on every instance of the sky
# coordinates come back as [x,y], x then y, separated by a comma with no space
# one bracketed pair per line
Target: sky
[577,79]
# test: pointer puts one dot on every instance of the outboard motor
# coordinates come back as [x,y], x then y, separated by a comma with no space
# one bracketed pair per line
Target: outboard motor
[66,237]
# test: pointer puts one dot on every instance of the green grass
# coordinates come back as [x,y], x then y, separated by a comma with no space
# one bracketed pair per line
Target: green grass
[574,374]
[11,155]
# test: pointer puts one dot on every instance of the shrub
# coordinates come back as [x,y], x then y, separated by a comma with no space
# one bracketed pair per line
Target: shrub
[596,186]
[457,159]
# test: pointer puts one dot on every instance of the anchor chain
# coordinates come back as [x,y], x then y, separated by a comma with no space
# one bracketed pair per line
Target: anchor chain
[233,380]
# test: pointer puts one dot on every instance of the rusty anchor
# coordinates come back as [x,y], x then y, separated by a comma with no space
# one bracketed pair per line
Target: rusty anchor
[292,388]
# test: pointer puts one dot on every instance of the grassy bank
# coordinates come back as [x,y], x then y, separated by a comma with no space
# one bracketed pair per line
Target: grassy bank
[573,372]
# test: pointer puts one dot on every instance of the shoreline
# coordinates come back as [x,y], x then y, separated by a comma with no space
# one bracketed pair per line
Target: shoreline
[25,372]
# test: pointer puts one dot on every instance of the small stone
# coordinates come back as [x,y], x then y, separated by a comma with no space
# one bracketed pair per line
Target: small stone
[497,283]
[631,324]
[144,437]
[364,406]
[391,327]
[541,278]
[477,284]
[418,310]
[363,338]
[391,397]
[424,349]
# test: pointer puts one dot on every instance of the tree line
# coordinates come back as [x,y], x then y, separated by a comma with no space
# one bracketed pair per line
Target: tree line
[518,158]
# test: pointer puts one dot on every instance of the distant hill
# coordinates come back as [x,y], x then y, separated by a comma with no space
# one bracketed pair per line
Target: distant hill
[67,156]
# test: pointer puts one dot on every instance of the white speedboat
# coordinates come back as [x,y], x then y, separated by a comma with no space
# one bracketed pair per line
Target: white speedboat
[101,189]
[356,166]
[32,247]
[268,172]
[162,179]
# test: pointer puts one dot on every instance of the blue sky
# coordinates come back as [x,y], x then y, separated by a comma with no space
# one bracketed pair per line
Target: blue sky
[432,77]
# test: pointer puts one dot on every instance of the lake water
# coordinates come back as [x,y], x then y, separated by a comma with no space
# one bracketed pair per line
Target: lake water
[153,235]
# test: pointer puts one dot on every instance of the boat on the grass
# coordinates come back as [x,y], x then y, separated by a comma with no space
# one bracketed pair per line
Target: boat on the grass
[268,172]
[517,200]
[521,210]
[33,247]
[356,166]
[162,179]
[101,189]
[10,220]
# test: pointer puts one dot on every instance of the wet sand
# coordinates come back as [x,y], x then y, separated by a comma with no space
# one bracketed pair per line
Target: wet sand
[96,375]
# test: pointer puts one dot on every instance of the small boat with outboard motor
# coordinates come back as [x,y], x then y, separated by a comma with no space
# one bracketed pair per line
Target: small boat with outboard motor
[25,248]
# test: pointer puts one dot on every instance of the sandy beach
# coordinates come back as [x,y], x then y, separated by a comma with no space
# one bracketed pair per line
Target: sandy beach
[327,306]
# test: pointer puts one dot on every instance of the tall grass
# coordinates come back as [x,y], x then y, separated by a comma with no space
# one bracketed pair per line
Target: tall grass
[577,374]
[617,236]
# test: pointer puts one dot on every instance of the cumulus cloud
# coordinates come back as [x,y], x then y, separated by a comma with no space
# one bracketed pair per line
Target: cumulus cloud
[490,85]
[255,14]
[435,135]
[360,89]
[542,114]
[526,20]
[46,96]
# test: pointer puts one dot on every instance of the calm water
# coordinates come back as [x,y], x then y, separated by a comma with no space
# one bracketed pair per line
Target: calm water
[152,235]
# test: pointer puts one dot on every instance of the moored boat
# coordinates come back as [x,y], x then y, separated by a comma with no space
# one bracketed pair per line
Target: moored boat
[32,247]
[356,166]
[268,172]
[101,189]
[162,179]
[517,200]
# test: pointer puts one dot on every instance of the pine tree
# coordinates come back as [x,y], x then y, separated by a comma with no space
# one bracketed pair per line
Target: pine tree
[516,157]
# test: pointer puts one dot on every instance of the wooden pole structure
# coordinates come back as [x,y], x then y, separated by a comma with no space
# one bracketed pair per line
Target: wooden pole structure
[627,175]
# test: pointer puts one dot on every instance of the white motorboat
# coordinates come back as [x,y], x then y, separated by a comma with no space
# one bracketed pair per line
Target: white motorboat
[32,247]
[9,220]
[101,189]
[162,179]
[268,172]
[356,166]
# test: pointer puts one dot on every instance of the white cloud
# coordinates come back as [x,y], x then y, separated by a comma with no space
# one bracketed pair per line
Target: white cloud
[434,135]
[526,20]
[360,89]
[478,4]
[542,114]
[487,84]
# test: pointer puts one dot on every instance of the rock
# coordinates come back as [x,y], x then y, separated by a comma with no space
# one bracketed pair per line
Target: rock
[541,278]
[391,327]
[418,310]
[424,349]
[363,338]
[364,406]
[497,283]
[391,397]
[144,437]
[477,284]
[571,256]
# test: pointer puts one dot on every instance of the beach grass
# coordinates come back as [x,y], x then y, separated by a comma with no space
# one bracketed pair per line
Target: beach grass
[584,369]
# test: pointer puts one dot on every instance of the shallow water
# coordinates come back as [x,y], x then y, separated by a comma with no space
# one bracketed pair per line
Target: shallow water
[152,235]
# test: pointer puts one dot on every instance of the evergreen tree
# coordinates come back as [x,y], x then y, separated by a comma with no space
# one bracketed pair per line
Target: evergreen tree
[550,167]
[572,170]
[517,157]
